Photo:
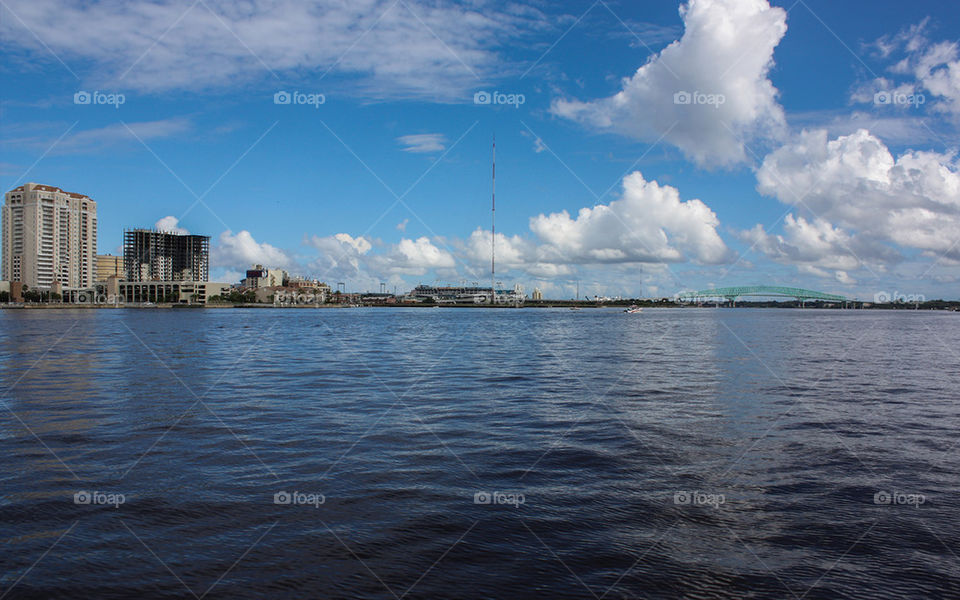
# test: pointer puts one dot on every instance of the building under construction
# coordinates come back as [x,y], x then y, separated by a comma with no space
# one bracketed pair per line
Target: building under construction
[150,255]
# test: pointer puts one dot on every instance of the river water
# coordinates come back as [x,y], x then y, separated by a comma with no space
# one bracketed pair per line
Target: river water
[479,453]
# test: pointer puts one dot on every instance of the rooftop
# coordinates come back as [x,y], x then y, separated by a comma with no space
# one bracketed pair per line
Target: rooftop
[48,188]
[158,231]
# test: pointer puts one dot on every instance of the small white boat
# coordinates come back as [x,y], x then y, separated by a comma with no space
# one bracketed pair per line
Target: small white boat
[634,309]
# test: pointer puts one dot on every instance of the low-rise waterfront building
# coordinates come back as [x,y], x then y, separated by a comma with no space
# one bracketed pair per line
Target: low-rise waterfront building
[117,292]
[374,298]
[304,283]
[466,294]
[176,292]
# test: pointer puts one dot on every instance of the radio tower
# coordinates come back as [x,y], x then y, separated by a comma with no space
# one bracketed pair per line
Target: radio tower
[493,227]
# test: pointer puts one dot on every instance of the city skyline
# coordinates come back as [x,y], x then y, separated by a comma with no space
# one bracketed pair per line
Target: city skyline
[639,147]
[502,299]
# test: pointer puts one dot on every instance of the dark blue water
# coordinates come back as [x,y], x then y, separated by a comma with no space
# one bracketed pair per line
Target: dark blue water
[677,453]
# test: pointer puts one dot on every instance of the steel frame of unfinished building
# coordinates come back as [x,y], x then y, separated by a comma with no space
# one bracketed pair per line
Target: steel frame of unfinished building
[170,256]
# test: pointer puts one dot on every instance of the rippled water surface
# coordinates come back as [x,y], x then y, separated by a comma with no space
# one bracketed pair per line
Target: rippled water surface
[475,453]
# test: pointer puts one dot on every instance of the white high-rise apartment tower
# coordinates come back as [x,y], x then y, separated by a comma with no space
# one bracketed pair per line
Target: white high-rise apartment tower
[49,235]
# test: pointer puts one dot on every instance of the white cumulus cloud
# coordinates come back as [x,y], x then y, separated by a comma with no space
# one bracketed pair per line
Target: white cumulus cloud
[867,205]
[513,252]
[412,257]
[813,246]
[170,224]
[341,255]
[725,55]
[649,223]
[239,251]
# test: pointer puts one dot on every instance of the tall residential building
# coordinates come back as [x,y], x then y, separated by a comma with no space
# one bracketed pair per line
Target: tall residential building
[150,255]
[109,265]
[49,235]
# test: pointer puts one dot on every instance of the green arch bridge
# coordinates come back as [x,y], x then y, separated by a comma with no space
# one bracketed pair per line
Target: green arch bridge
[767,291]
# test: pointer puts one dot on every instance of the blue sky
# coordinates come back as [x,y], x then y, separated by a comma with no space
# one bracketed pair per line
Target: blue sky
[786,168]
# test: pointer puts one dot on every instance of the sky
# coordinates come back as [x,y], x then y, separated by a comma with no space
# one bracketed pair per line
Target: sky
[642,148]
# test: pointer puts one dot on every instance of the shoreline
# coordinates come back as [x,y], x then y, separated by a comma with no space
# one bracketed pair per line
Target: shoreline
[949,306]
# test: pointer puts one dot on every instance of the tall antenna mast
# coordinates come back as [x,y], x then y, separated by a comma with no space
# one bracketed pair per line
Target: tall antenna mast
[493,227]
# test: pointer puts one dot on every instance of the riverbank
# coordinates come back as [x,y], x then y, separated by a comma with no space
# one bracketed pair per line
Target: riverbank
[952,306]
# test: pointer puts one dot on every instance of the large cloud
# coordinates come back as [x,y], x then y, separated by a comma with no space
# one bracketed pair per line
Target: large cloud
[341,255]
[513,252]
[389,48]
[239,251]
[727,50]
[412,257]
[863,201]
[347,257]
[815,247]
[649,223]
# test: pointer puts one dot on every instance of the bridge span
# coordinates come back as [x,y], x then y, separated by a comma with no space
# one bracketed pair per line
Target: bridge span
[731,294]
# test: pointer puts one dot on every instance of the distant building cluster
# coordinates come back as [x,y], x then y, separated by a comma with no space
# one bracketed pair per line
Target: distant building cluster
[49,246]
[49,242]
[265,285]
